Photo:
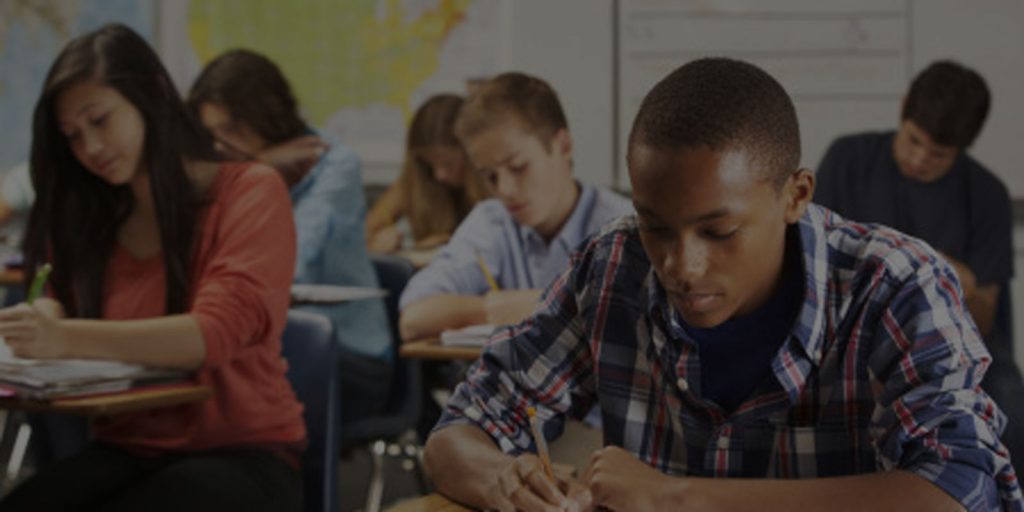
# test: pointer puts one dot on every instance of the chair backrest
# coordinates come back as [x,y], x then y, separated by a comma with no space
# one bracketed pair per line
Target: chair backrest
[308,346]
[404,402]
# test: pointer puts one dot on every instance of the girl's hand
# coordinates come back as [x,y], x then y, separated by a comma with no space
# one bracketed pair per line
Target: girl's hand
[35,331]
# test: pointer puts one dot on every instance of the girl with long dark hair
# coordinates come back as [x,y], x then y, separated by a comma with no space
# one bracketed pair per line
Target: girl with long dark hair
[163,257]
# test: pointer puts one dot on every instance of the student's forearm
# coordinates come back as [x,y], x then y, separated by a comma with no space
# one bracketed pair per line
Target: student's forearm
[892,490]
[170,341]
[464,464]
[385,211]
[430,316]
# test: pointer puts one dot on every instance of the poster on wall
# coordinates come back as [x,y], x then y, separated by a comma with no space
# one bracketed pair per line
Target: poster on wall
[360,68]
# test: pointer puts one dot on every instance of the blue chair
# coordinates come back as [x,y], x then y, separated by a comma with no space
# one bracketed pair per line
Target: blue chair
[308,346]
[404,404]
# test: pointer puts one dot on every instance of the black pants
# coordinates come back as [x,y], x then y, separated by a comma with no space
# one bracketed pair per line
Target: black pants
[105,478]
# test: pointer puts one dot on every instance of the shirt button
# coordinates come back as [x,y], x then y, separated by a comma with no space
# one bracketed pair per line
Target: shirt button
[683,385]
[723,443]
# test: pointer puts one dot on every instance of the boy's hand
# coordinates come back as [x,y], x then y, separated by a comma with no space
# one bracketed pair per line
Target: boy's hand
[619,481]
[34,331]
[506,307]
[522,485]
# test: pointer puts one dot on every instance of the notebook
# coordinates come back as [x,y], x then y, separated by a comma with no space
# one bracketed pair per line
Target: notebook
[471,336]
[59,378]
[332,294]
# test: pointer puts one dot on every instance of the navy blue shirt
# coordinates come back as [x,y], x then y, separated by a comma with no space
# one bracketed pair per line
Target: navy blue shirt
[965,213]
[736,356]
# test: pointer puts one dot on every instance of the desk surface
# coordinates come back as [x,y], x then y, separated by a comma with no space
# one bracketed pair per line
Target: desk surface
[430,503]
[115,403]
[431,348]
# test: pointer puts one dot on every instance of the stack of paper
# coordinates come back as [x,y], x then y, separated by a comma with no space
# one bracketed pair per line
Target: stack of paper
[52,378]
[472,336]
[332,294]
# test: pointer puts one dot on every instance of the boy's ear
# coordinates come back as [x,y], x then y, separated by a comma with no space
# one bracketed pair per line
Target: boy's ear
[562,142]
[798,193]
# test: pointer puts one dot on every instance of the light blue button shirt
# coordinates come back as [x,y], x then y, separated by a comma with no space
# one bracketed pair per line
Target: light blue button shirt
[329,221]
[517,255]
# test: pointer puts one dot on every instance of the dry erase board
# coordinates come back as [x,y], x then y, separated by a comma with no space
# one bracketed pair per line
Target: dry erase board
[846,63]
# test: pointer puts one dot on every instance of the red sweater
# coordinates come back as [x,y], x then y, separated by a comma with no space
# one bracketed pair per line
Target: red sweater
[244,260]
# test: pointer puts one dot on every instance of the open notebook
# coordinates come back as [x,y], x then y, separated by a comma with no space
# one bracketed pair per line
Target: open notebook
[471,336]
[61,378]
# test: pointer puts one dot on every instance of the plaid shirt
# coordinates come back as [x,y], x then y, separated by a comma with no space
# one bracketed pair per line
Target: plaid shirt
[881,370]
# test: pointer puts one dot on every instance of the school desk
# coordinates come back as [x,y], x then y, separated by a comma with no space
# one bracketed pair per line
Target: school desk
[113,403]
[93,406]
[430,503]
[431,348]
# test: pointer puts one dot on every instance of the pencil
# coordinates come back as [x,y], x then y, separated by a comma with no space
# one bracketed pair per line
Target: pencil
[542,444]
[35,290]
[487,273]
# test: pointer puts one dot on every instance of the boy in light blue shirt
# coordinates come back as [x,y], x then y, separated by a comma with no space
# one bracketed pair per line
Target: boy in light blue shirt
[516,135]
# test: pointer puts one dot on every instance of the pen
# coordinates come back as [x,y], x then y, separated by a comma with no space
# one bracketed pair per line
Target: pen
[36,288]
[542,444]
[487,273]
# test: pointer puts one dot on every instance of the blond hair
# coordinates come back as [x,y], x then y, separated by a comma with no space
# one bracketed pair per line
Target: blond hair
[508,96]
[432,207]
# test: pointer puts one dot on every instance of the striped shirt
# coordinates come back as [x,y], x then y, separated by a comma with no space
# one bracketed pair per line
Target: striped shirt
[881,370]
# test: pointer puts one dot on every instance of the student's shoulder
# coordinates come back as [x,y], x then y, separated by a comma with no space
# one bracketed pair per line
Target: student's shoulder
[984,182]
[612,202]
[859,251]
[248,180]
[618,240]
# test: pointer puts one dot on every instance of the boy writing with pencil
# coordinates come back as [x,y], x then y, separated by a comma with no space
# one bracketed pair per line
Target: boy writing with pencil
[510,247]
[749,350]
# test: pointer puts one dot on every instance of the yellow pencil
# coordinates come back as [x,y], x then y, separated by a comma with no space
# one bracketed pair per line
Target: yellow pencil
[542,444]
[487,273]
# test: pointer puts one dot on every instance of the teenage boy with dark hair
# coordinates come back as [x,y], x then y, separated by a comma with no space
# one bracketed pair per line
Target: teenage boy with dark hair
[732,331]
[921,181]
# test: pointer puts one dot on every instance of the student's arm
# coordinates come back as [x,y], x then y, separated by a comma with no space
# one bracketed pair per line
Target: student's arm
[386,209]
[481,450]
[619,481]
[981,300]
[469,467]
[40,331]
[430,316]
[240,294]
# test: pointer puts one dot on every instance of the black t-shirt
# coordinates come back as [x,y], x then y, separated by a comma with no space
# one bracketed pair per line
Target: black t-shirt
[965,214]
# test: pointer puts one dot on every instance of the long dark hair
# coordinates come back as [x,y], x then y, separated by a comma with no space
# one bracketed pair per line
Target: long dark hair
[76,215]
[255,93]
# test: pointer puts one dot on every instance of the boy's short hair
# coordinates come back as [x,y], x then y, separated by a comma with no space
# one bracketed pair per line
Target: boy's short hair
[721,104]
[949,101]
[253,91]
[525,97]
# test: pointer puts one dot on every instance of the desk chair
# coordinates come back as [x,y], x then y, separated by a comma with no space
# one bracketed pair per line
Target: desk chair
[308,346]
[402,410]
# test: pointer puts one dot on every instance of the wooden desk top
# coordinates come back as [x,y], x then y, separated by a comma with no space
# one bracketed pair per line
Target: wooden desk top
[114,403]
[430,503]
[431,348]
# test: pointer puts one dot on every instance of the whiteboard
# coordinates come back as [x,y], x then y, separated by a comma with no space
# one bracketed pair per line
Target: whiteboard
[846,64]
